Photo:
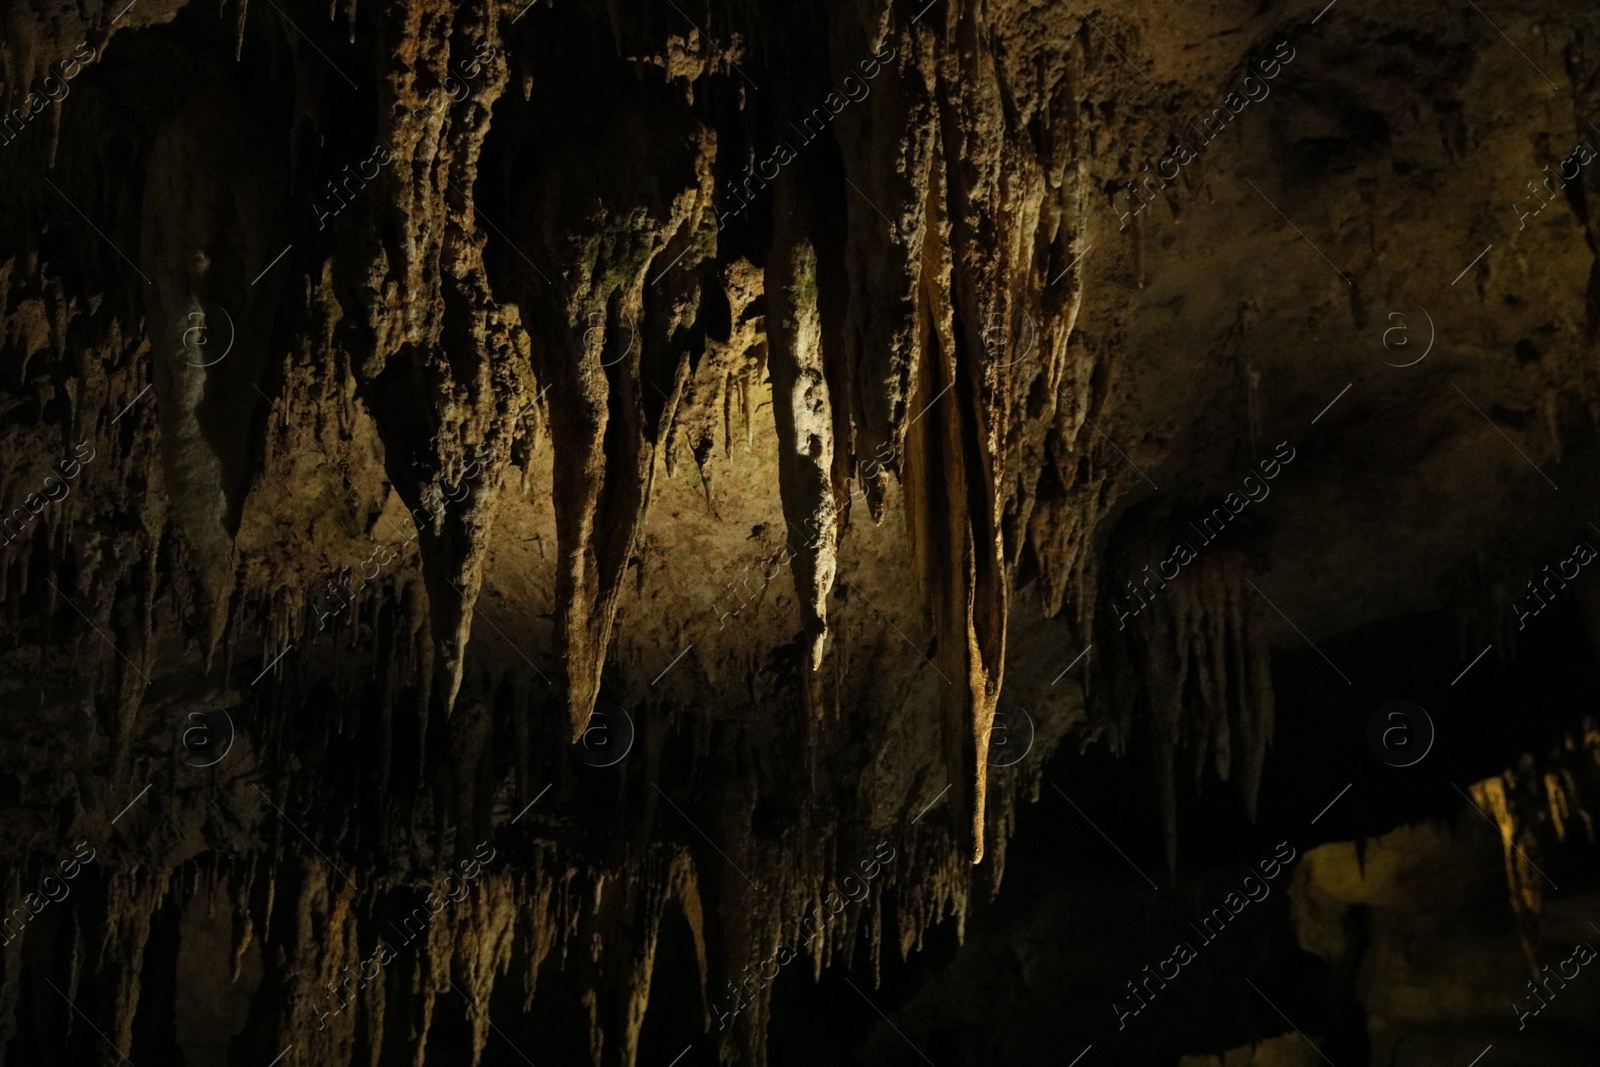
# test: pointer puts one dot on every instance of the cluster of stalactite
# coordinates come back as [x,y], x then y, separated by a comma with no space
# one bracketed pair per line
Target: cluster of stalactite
[399,374]
[573,253]
[1205,685]
[1537,805]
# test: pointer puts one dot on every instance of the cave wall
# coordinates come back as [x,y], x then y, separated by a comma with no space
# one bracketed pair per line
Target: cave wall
[432,376]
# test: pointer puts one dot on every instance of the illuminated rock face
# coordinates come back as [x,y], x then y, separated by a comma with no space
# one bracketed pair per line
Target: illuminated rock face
[515,511]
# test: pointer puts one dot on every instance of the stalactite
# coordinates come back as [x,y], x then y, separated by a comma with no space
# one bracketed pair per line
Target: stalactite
[243,920]
[603,450]
[1533,805]
[10,963]
[927,324]
[131,897]
[1527,894]
[802,411]
[1198,634]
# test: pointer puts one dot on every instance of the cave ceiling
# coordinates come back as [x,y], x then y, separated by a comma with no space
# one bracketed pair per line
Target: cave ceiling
[514,517]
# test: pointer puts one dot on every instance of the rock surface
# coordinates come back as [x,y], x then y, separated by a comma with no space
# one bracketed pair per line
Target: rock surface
[569,487]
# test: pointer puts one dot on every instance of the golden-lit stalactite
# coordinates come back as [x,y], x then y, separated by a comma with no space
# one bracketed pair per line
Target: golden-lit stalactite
[1536,805]
[884,200]
[613,278]
[803,412]
[987,208]
[431,323]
